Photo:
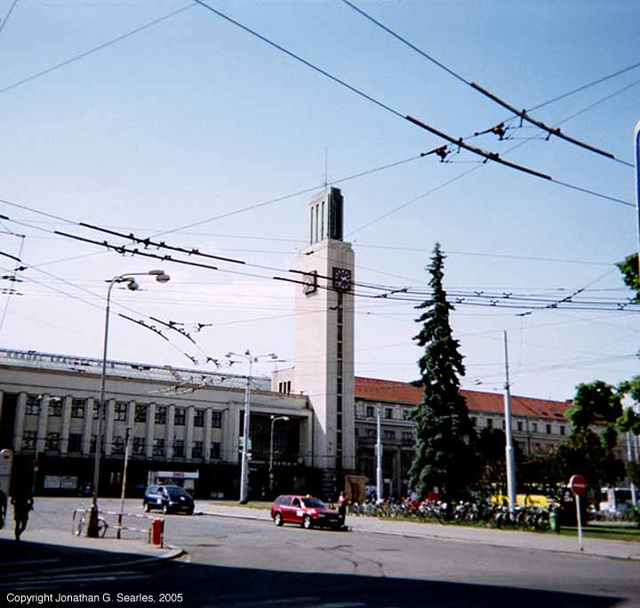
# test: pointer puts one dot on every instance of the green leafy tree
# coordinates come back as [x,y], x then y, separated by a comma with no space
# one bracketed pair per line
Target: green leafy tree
[445,456]
[629,269]
[629,422]
[587,453]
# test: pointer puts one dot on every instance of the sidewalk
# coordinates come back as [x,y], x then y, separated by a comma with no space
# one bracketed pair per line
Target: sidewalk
[56,552]
[486,536]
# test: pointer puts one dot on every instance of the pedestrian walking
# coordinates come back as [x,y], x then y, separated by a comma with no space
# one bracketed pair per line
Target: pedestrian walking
[22,504]
[343,502]
[3,508]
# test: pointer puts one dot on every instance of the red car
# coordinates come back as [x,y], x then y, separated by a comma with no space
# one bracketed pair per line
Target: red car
[305,511]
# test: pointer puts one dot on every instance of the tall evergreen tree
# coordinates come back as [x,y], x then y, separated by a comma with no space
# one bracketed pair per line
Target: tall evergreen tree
[445,455]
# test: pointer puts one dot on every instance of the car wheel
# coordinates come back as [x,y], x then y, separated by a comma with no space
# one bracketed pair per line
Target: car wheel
[306,522]
[190,511]
[146,506]
[277,519]
[165,509]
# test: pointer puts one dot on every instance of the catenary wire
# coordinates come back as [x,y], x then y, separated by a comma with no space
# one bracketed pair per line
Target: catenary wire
[94,49]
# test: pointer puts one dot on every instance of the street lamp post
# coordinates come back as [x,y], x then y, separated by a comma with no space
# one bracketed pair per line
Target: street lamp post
[128,278]
[127,450]
[379,487]
[244,463]
[274,419]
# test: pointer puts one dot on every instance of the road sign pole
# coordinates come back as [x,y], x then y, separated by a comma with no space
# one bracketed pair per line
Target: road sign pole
[579,522]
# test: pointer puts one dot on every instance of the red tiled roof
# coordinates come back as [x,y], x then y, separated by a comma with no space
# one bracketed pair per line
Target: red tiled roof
[373,389]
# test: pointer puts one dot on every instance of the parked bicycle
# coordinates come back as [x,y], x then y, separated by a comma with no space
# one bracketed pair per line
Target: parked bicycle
[81,519]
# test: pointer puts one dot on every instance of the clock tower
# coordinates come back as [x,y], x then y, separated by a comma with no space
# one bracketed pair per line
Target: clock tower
[324,338]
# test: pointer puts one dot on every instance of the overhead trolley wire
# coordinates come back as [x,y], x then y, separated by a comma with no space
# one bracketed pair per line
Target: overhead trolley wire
[521,113]
[94,49]
[486,155]
[4,21]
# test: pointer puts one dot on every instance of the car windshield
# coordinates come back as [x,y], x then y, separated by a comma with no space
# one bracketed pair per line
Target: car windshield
[314,502]
[175,492]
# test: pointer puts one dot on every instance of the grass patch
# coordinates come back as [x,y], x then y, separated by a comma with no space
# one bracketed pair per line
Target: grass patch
[630,533]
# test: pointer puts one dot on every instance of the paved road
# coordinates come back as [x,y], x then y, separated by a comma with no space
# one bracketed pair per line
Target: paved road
[250,562]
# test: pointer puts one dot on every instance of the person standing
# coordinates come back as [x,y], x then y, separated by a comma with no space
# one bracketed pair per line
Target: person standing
[22,504]
[343,502]
[3,508]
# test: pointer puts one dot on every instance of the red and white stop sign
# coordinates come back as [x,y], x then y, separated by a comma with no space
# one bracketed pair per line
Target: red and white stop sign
[578,484]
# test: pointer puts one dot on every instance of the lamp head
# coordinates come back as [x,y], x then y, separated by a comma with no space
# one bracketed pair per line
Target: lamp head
[160,275]
[132,285]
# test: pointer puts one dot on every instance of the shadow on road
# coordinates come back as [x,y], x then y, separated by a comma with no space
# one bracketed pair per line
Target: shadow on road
[35,568]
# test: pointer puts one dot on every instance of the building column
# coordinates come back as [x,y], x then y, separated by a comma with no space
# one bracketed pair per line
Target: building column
[188,449]
[231,433]
[108,427]
[208,416]
[151,421]
[169,430]
[18,427]
[88,426]
[42,424]
[65,426]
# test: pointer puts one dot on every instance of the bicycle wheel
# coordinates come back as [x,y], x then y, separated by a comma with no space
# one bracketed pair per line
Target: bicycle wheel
[102,527]
[79,527]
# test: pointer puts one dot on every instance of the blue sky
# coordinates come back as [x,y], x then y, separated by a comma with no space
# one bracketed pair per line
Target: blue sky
[194,118]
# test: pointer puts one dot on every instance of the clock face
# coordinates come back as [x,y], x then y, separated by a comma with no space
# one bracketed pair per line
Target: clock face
[310,281]
[341,279]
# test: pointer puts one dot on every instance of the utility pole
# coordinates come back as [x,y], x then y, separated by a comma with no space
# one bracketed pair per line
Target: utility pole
[127,451]
[636,149]
[511,468]
[379,490]
[244,465]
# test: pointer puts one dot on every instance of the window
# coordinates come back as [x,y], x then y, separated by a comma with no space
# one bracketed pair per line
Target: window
[120,412]
[198,418]
[180,416]
[216,420]
[520,428]
[178,448]
[562,431]
[388,413]
[197,450]
[534,427]
[504,424]
[75,442]
[137,448]
[55,407]
[371,433]
[284,387]
[32,407]
[158,447]
[371,412]
[489,423]
[117,447]
[140,413]
[215,450]
[29,440]
[52,442]
[474,420]
[389,435]
[92,446]
[78,408]
[549,429]
[161,415]
[407,436]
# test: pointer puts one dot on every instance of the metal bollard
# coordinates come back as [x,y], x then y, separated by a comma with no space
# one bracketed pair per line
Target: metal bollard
[157,531]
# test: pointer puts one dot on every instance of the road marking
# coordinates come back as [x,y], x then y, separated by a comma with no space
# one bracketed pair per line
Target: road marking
[28,562]
[28,583]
